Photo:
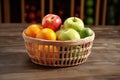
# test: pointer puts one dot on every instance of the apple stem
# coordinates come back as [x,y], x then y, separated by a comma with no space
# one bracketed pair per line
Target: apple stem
[74,19]
[52,17]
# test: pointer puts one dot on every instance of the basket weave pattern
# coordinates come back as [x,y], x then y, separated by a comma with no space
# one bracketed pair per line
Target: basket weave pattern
[58,53]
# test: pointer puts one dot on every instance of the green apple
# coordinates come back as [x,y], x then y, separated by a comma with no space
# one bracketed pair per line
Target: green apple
[59,32]
[73,22]
[86,32]
[67,34]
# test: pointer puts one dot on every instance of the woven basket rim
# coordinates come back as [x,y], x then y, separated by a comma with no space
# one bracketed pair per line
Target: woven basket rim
[70,42]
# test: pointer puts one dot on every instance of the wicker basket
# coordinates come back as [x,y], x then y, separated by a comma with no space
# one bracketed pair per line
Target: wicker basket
[58,53]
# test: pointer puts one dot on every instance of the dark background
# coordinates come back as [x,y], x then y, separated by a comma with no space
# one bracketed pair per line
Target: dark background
[62,8]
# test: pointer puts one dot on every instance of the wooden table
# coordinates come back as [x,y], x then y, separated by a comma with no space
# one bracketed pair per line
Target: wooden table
[102,64]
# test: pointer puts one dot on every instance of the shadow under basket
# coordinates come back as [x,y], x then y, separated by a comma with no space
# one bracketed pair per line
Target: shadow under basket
[58,53]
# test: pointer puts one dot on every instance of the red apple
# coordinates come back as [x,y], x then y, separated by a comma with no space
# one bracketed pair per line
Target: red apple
[51,21]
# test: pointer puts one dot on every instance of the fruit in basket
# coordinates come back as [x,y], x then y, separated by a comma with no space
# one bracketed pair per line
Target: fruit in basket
[45,52]
[73,22]
[48,53]
[58,33]
[52,21]
[32,30]
[32,46]
[86,32]
[67,34]
[46,33]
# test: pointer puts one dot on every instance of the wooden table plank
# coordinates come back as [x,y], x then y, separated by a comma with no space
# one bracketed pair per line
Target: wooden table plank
[102,64]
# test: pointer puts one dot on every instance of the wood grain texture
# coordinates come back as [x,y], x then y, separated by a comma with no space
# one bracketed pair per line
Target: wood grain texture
[104,12]
[102,64]
[42,8]
[97,12]
[51,6]
[0,12]
[23,11]
[6,11]
[72,8]
[82,9]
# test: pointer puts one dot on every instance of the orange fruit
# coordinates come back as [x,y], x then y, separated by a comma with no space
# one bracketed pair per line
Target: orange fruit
[47,53]
[32,49]
[46,33]
[32,30]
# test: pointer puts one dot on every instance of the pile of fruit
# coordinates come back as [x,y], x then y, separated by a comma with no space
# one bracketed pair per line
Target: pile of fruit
[53,29]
